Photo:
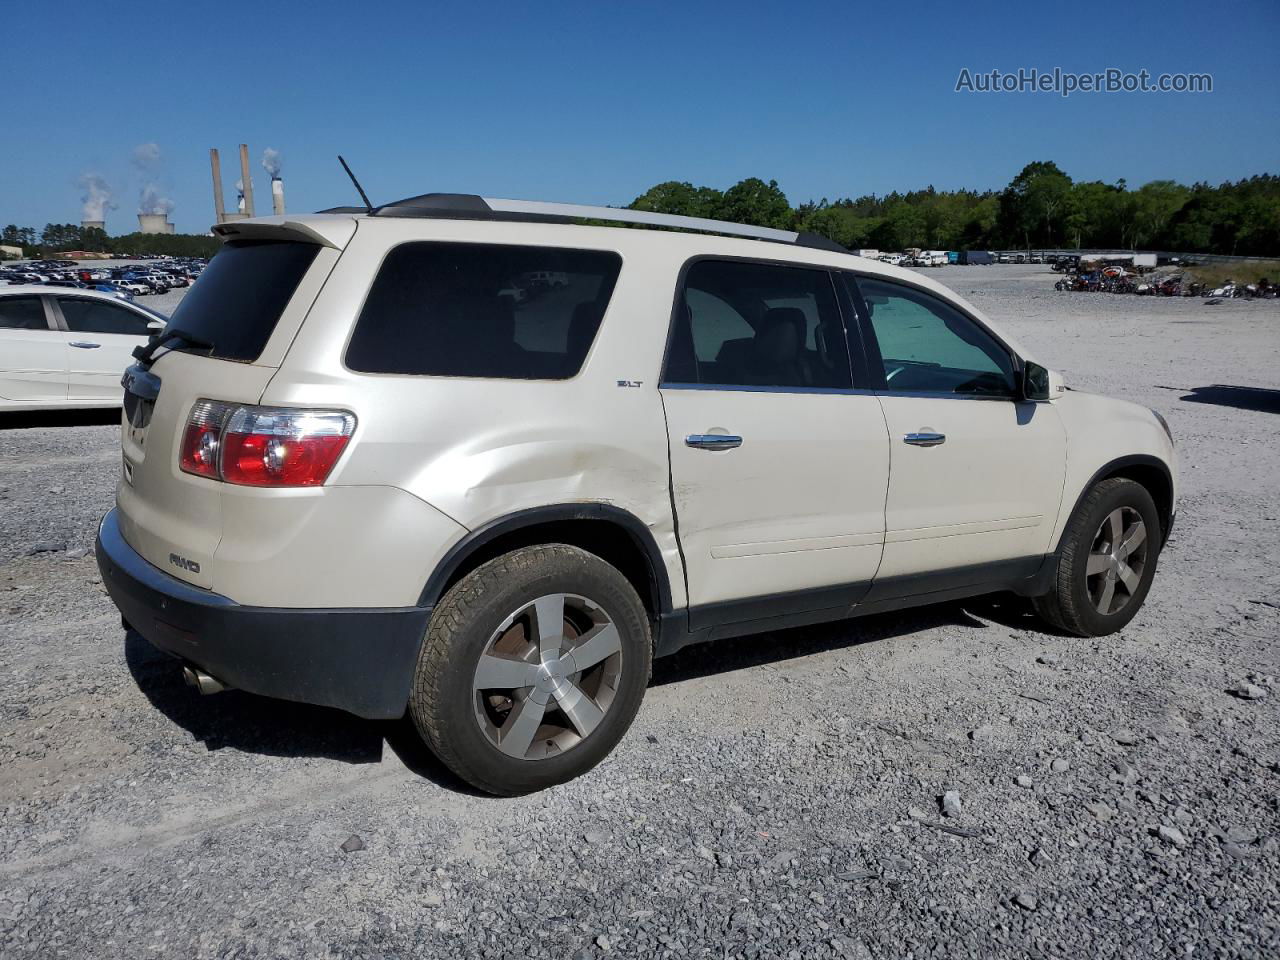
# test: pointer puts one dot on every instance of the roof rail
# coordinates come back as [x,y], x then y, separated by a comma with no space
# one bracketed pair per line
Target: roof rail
[466,206]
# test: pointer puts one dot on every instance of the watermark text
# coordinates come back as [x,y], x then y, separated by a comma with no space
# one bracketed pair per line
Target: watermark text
[1065,83]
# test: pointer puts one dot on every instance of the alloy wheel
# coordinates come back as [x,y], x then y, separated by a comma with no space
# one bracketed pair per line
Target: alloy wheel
[1116,560]
[547,676]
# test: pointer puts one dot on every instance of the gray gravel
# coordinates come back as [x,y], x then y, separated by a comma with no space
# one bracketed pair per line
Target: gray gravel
[779,796]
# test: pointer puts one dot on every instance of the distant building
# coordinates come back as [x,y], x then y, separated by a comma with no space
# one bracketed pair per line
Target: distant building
[10,253]
[81,255]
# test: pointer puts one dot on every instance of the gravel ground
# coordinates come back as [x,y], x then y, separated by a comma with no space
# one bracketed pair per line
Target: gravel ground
[779,796]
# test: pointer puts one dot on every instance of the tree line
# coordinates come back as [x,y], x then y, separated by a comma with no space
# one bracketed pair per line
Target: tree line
[1041,207]
[60,237]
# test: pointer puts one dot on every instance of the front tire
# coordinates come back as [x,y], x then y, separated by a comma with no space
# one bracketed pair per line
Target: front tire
[533,667]
[1107,560]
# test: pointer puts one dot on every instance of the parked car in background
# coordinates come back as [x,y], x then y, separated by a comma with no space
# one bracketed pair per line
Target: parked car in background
[152,281]
[105,286]
[134,287]
[62,348]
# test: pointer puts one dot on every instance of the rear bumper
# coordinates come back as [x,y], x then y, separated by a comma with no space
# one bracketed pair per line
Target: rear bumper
[356,659]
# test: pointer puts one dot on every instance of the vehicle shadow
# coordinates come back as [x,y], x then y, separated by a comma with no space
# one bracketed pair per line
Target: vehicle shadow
[1261,399]
[724,656]
[279,728]
[243,721]
[28,419]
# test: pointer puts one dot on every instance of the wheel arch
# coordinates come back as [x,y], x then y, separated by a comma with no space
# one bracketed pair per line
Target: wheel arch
[615,535]
[1149,471]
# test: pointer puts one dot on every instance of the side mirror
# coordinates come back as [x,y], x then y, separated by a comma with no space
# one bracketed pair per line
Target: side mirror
[1040,383]
[155,326]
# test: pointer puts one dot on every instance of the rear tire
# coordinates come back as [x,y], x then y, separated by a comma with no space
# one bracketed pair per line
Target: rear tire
[1107,560]
[532,669]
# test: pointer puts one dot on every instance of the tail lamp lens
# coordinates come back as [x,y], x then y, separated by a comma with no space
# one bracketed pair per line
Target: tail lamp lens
[202,439]
[273,447]
[265,446]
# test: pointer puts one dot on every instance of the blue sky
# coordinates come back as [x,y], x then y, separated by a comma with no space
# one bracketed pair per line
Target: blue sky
[594,102]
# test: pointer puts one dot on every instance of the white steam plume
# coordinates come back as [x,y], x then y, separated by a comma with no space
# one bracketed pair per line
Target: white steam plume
[97,197]
[151,198]
[153,201]
[271,162]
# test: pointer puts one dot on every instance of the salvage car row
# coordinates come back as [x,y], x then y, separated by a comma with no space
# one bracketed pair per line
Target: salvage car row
[127,281]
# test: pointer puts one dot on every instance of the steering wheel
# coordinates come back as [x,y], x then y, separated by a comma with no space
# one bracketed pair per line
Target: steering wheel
[893,373]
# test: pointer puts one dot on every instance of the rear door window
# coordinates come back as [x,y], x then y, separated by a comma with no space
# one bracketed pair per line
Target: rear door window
[22,313]
[745,324]
[97,316]
[483,310]
[240,296]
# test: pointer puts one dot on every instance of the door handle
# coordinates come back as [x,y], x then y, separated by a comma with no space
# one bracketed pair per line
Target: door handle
[712,441]
[85,345]
[925,439]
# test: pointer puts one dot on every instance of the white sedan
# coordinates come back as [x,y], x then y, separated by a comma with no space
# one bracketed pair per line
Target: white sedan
[64,348]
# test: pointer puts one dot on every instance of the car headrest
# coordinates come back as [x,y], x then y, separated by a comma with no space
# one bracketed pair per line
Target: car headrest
[786,315]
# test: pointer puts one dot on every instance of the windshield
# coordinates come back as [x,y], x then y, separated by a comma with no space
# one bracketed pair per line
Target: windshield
[241,294]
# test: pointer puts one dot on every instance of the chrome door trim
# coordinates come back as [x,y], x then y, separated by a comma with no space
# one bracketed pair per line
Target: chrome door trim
[926,439]
[713,441]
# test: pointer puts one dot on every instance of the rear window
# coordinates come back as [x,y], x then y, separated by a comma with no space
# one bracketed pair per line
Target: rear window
[22,313]
[238,301]
[98,316]
[482,310]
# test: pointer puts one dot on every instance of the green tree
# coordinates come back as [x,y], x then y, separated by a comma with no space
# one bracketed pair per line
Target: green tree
[756,202]
[680,198]
[1154,206]
[1030,205]
[1087,212]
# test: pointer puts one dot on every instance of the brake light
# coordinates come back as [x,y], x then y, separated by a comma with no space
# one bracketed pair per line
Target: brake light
[203,436]
[264,446]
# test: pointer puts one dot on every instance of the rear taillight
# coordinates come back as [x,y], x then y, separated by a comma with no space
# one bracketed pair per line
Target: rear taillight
[264,446]
[202,440]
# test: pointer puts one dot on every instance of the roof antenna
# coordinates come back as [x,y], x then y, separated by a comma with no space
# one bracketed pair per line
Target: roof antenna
[363,196]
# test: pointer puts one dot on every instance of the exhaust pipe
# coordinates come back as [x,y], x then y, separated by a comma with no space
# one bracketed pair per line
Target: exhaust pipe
[195,677]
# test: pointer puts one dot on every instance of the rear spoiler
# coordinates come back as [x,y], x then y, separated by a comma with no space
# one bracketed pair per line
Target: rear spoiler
[330,231]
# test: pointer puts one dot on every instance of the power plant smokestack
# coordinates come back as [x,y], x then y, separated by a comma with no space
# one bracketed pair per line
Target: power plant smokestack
[94,225]
[271,163]
[216,165]
[248,183]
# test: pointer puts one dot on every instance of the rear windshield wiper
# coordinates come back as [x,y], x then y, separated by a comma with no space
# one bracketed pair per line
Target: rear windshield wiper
[146,355]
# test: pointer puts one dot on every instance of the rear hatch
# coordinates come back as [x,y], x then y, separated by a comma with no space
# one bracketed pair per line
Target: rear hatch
[225,341]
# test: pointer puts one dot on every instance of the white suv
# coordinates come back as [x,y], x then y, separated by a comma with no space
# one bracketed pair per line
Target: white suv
[357,472]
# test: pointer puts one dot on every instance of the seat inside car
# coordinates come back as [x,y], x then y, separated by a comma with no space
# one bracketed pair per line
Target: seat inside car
[775,356]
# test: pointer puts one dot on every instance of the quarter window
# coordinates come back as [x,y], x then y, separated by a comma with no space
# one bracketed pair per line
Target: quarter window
[22,313]
[741,324]
[97,316]
[483,310]
[928,346]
